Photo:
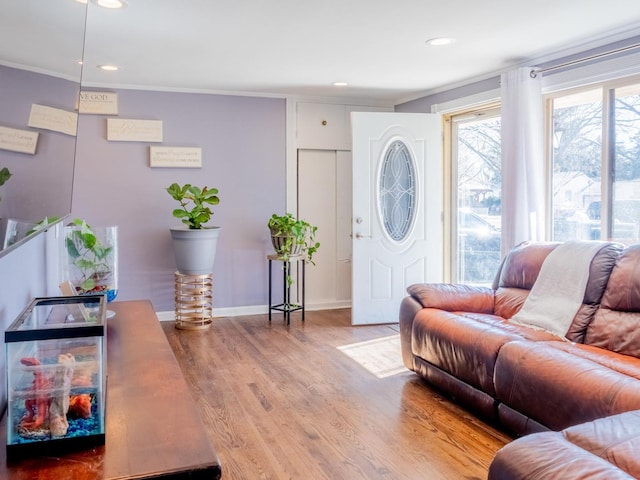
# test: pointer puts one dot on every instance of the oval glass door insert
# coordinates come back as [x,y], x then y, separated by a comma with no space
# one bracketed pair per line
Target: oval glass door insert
[397,191]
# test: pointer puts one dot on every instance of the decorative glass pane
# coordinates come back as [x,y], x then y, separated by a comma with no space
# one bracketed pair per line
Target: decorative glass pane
[397,193]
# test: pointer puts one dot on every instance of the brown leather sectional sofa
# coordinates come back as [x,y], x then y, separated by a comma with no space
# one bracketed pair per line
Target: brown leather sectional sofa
[459,339]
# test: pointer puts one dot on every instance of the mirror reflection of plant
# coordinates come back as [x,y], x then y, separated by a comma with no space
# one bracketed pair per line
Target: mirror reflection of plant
[42,224]
[89,256]
[5,175]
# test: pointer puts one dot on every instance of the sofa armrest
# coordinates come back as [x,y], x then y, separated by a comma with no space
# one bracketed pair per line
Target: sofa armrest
[409,307]
[548,456]
[604,448]
[453,297]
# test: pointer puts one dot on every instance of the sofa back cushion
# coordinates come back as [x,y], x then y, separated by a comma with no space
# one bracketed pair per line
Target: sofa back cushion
[616,324]
[522,264]
[520,270]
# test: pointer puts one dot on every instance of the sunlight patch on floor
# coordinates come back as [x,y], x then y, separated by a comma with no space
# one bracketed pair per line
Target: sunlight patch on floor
[381,356]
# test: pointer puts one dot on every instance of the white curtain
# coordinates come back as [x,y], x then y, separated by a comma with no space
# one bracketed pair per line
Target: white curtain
[523,200]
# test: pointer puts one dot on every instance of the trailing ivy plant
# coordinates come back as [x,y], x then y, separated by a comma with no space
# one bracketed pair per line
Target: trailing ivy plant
[294,237]
[194,202]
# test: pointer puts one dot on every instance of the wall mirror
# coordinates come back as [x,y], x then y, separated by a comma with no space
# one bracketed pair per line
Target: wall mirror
[41,51]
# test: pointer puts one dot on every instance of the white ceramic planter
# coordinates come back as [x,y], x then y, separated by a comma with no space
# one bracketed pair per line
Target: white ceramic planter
[195,250]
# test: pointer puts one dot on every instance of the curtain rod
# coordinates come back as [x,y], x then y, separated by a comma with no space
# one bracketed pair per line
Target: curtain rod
[534,73]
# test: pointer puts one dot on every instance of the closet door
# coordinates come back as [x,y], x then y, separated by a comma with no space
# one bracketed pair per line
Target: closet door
[324,200]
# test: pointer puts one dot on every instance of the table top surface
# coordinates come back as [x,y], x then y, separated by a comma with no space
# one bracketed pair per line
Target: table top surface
[152,425]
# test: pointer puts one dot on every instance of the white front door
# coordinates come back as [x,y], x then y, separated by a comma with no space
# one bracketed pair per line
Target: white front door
[397,210]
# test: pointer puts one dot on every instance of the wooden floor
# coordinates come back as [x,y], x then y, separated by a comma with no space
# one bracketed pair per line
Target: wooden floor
[284,403]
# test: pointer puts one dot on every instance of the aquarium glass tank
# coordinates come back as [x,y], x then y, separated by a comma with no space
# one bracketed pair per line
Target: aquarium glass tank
[56,361]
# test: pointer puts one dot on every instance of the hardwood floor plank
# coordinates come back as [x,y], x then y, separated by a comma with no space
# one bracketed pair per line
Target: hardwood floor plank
[283,402]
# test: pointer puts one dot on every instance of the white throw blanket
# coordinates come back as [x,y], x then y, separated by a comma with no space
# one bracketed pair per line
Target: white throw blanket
[559,289]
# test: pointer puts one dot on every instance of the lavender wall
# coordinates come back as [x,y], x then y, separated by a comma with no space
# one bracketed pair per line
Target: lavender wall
[243,149]
[23,276]
[41,183]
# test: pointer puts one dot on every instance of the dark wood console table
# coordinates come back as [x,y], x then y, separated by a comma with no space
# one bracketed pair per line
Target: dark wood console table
[153,429]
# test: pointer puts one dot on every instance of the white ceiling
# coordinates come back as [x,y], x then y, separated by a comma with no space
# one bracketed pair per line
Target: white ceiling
[299,47]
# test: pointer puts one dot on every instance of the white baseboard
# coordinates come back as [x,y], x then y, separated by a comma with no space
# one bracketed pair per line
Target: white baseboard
[169,315]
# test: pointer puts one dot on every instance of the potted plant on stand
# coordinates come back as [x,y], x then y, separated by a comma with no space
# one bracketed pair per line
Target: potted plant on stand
[292,236]
[194,244]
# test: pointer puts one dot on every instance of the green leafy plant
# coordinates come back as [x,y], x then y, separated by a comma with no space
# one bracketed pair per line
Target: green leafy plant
[42,224]
[194,203]
[89,256]
[293,236]
[5,175]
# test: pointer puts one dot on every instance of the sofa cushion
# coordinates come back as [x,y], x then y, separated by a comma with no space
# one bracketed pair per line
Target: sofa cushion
[625,364]
[561,286]
[465,345]
[523,263]
[520,270]
[599,272]
[509,300]
[558,385]
[615,438]
[603,449]
[616,324]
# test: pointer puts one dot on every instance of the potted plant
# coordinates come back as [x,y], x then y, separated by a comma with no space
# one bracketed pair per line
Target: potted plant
[194,244]
[292,236]
[92,258]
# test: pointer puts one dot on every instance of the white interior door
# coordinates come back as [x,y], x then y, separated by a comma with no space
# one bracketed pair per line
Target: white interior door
[397,210]
[324,200]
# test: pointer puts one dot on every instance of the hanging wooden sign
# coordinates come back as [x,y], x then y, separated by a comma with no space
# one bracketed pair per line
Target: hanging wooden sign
[176,157]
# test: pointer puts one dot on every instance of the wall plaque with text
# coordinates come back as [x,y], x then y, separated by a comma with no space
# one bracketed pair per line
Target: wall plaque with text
[130,130]
[15,140]
[53,119]
[98,103]
[176,157]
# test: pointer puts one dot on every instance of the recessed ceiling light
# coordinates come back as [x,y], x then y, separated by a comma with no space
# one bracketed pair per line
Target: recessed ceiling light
[340,84]
[109,68]
[84,2]
[440,41]
[111,3]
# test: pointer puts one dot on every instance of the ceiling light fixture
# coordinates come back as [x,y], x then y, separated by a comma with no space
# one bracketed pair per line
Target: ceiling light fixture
[111,3]
[84,2]
[109,68]
[440,41]
[340,84]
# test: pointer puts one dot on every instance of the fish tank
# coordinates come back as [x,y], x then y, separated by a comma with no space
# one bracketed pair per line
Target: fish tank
[56,375]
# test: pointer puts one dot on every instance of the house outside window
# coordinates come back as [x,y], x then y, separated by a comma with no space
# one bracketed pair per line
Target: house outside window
[475,195]
[595,163]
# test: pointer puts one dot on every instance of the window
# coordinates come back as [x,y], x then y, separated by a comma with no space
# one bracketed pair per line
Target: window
[595,164]
[476,194]
[397,193]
